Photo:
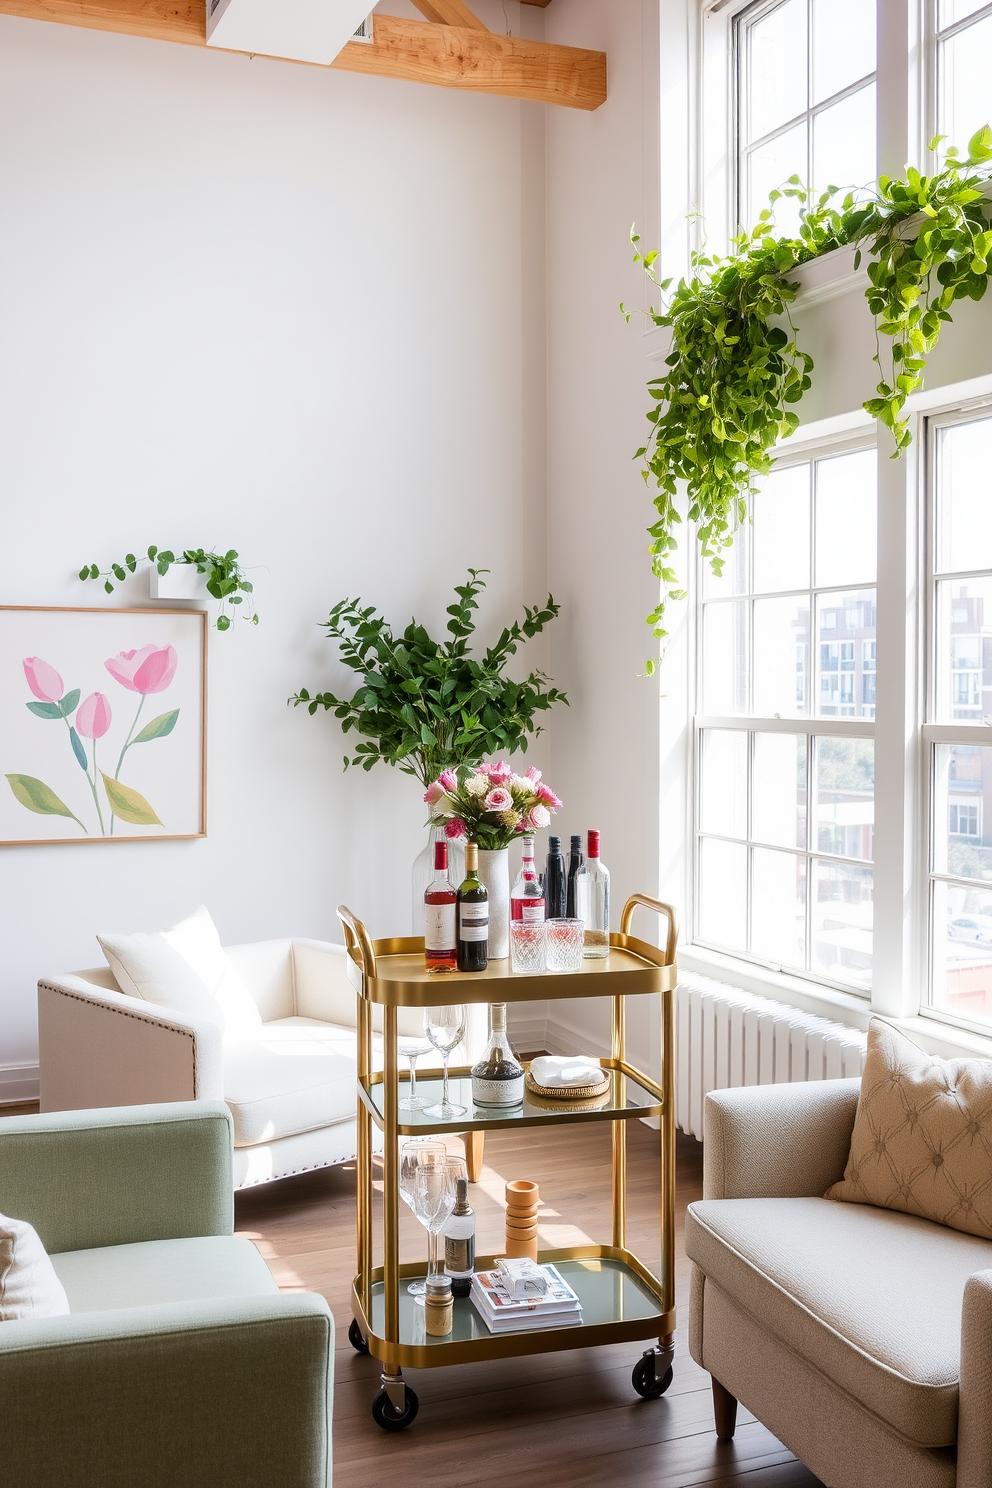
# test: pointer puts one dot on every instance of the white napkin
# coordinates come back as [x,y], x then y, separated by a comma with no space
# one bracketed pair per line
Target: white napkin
[552,1069]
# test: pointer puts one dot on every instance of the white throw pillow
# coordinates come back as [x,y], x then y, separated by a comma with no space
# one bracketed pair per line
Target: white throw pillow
[29,1287]
[184,968]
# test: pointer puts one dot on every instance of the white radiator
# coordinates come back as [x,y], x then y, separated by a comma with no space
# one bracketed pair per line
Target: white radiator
[727,1037]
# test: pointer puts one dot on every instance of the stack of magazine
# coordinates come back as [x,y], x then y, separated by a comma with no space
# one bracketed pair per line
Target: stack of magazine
[557,1308]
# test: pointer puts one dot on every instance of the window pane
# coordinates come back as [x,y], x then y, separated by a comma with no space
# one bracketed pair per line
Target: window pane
[844,142]
[962,844]
[776,57]
[724,663]
[781,652]
[964,495]
[723,893]
[842,922]
[771,166]
[846,501]
[780,531]
[964,649]
[844,800]
[734,578]
[964,82]
[778,790]
[723,782]
[843,45]
[962,951]
[952,11]
[845,622]
[778,907]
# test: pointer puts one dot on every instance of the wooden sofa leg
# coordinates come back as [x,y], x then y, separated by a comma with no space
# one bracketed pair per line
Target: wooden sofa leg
[475,1151]
[724,1411]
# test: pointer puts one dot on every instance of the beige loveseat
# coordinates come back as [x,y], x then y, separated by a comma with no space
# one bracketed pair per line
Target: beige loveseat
[861,1337]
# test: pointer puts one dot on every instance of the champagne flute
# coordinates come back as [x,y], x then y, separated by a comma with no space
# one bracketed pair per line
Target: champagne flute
[412,1154]
[445,1027]
[434,1200]
[411,1049]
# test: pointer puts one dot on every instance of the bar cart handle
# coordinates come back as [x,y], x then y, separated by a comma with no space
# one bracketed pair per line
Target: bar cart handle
[647,902]
[356,938]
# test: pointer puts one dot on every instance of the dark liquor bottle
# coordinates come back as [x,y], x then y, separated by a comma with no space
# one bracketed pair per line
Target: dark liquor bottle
[555,884]
[498,1078]
[473,916]
[574,864]
[459,1242]
[440,914]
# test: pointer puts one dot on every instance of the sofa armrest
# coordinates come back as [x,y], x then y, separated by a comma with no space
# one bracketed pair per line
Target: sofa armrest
[99,1047]
[322,987]
[975,1395]
[210,1394]
[86,1179]
[778,1141]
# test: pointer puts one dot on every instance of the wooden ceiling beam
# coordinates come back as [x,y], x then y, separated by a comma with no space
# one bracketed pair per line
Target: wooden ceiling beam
[450,13]
[415,51]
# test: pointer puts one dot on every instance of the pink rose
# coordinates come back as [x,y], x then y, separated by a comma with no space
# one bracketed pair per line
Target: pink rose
[43,680]
[149,670]
[533,774]
[434,793]
[498,800]
[94,716]
[448,779]
[548,798]
[456,828]
[538,817]
[499,773]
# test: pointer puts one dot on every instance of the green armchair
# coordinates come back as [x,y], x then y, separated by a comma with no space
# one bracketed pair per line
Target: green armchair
[181,1364]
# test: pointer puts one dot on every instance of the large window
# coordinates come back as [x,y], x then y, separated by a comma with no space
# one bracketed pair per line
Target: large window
[805,99]
[961,57]
[785,752]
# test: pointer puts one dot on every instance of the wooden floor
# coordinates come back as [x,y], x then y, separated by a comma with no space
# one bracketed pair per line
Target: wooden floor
[563,1420]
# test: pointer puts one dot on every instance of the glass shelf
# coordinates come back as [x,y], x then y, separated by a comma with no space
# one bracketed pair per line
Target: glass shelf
[626,1099]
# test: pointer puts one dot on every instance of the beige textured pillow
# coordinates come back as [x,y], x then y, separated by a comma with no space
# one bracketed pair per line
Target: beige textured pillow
[922,1140]
[29,1287]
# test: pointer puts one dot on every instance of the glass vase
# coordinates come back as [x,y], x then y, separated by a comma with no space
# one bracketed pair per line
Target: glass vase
[423,872]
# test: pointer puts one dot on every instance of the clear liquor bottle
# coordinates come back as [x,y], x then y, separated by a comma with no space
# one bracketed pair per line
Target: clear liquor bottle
[440,914]
[593,895]
[498,1078]
[527,896]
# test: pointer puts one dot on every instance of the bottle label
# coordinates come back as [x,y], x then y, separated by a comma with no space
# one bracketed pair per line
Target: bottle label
[439,927]
[498,1092]
[532,911]
[473,922]
[459,1256]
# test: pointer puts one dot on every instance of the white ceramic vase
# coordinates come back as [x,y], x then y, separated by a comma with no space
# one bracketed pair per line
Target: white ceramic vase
[494,873]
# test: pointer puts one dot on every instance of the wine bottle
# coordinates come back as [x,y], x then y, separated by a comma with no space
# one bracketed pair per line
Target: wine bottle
[459,1242]
[527,897]
[575,861]
[555,885]
[593,899]
[473,916]
[498,1078]
[440,913]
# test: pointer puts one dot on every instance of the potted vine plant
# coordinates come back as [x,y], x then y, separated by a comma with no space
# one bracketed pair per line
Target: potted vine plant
[223,577]
[425,706]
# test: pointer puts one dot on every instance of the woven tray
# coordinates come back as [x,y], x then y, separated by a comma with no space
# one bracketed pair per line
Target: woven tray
[567,1092]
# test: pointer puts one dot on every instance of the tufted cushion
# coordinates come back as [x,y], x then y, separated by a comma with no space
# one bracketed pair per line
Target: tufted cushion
[922,1140]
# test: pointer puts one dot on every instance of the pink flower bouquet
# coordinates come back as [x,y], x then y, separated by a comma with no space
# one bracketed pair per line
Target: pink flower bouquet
[490,805]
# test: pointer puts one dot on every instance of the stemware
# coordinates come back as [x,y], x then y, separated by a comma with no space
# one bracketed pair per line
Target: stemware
[413,1154]
[445,1027]
[434,1200]
[411,1049]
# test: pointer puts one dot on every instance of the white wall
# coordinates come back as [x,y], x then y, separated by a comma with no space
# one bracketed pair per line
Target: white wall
[299,313]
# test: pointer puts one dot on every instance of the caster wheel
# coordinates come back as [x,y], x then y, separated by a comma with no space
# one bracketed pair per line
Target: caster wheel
[385,1414]
[358,1343]
[644,1381]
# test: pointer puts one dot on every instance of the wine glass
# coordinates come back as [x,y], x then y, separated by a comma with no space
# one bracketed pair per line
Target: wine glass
[411,1049]
[412,1154]
[445,1027]
[434,1199]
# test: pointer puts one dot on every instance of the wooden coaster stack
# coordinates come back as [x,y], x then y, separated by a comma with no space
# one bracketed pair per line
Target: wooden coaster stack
[522,1199]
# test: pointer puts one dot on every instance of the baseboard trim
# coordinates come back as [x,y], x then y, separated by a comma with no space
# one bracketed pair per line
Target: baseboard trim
[18,1083]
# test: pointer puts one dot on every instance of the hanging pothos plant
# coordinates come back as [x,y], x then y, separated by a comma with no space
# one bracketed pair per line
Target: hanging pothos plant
[734,372]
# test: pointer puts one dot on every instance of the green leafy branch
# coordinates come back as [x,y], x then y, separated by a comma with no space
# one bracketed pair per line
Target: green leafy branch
[424,705]
[735,371]
[226,579]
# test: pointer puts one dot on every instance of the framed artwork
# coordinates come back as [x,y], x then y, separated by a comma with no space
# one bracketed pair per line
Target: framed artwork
[103,724]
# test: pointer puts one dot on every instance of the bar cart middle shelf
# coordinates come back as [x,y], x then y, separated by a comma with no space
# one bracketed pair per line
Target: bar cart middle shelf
[622,1300]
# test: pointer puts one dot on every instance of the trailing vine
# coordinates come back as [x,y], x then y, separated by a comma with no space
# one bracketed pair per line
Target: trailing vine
[736,369]
[226,579]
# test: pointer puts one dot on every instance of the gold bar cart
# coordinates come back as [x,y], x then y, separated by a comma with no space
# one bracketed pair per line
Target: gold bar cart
[622,1300]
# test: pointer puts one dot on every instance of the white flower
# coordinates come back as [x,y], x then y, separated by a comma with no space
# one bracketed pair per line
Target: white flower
[522,784]
[477,785]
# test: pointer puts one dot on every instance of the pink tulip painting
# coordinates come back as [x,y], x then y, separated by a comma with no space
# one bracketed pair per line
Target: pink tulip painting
[94,716]
[149,670]
[43,680]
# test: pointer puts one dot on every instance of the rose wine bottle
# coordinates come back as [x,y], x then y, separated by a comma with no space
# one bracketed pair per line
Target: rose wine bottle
[473,916]
[498,1078]
[440,905]
[594,902]
[527,898]
[575,861]
[555,886]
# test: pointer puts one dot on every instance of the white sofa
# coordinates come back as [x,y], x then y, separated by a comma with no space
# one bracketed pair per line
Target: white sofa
[290,1087]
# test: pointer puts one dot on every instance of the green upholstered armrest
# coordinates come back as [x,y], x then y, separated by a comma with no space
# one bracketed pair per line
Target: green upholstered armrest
[218,1394]
[777,1141]
[86,1179]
